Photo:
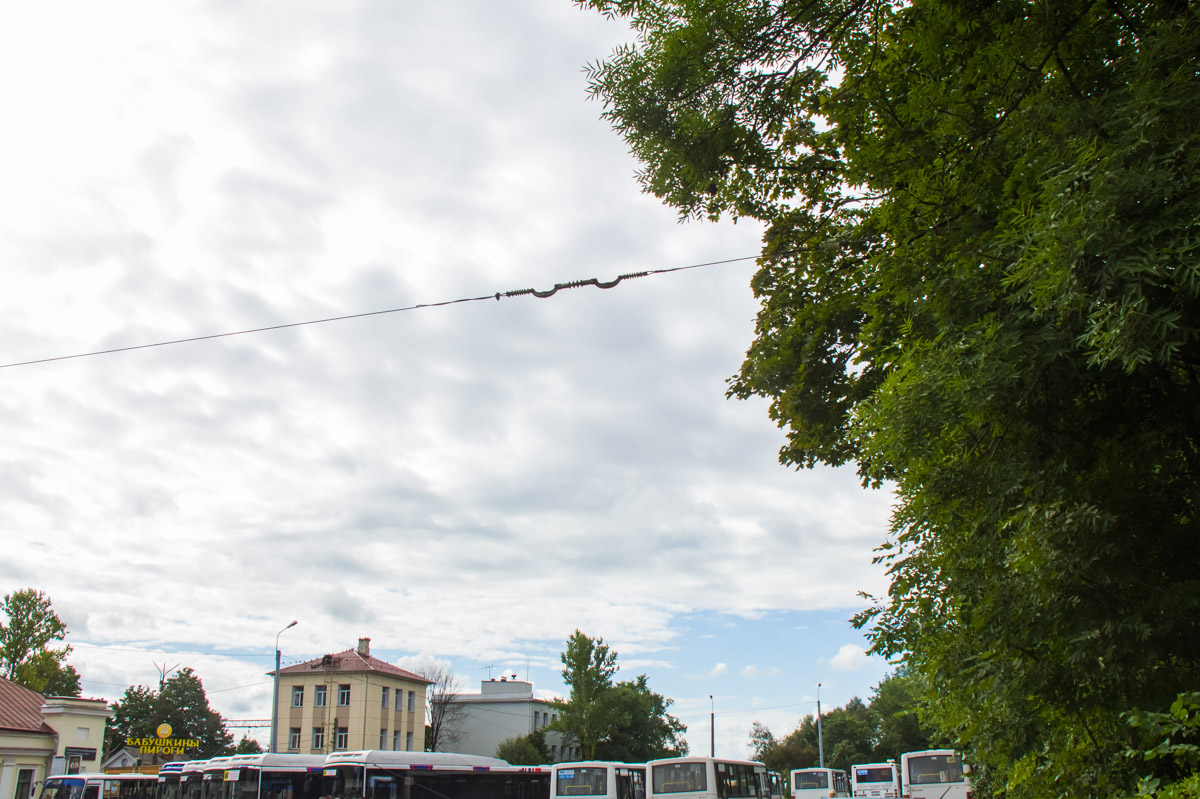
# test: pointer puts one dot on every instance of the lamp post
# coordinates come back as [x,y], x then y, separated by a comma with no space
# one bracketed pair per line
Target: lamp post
[275,702]
[712,727]
[820,740]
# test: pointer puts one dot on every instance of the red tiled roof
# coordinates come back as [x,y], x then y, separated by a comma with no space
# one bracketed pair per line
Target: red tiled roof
[351,661]
[21,708]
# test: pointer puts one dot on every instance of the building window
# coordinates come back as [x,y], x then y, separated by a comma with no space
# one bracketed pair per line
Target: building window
[383,739]
[343,696]
[408,742]
[412,704]
[24,783]
[341,738]
[396,740]
[318,741]
[319,693]
[294,738]
[297,696]
[385,698]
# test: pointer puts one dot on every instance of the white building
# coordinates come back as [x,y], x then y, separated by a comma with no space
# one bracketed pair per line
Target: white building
[506,708]
[41,736]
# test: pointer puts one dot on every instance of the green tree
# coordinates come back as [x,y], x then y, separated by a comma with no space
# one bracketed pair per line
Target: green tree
[644,730]
[590,712]
[525,750]
[24,640]
[180,702]
[980,284]
[895,712]
[792,752]
[247,746]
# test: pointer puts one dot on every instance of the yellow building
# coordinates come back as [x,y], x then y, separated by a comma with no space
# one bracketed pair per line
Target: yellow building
[350,701]
[40,736]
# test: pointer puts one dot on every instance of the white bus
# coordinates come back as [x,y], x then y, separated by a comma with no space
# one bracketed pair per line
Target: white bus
[598,778]
[810,783]
[212,778]
[934,774]
[100,786]
[873,780]
[776,780]
[171,777]
[706,778]
[191,779]
[273,776]
[378,774]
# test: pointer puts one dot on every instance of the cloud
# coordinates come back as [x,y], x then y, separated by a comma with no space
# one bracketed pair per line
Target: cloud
[476,479]
[850,657]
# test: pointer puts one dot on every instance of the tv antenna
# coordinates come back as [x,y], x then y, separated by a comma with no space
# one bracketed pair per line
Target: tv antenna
[163,671]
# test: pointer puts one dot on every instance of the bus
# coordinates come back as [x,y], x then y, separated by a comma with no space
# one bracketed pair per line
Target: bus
[598,778]
[934,774]
[182,779]
[100,786]
[875,780]
[776,780]
[706,778]
[378,774]
[212,778]
[809,783]
[273,776]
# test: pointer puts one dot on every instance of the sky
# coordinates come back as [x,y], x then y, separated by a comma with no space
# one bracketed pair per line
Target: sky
[467,482]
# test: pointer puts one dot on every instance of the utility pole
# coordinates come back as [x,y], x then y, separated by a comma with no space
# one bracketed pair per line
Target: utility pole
[274,747]
[712,727]
[820,740]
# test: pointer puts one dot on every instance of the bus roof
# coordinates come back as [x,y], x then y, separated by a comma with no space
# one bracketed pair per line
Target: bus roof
[392,759]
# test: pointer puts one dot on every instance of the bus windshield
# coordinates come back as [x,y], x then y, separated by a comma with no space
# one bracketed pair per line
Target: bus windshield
[344,781]
[880,774]
[71,788]
[935,769]
[680,778]
[583,781]
[811,779]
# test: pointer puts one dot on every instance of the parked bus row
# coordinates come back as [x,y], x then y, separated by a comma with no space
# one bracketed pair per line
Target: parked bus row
[929,774]
[934,774]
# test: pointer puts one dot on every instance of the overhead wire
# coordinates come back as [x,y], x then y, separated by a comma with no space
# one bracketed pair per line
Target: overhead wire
[495,296]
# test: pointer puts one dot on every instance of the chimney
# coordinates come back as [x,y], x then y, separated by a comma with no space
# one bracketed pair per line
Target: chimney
[364,647]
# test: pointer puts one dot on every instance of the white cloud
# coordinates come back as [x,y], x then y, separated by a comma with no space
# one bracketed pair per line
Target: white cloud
[475,480]
[850,657]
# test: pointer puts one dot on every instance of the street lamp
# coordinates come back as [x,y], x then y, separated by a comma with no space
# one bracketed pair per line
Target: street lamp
[712,727]
[820,740]
[275,702]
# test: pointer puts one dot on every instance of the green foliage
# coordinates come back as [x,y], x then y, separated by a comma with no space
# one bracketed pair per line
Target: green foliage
[590,712]
[895,712]
[856,733]
[1173,739]
[180,702]
[626,721]
[981,285]
[644,730]
[526,750]
[247,746]
[24,657]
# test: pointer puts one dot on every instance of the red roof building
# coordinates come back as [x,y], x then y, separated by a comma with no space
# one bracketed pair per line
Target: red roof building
[41,736]
[350,700]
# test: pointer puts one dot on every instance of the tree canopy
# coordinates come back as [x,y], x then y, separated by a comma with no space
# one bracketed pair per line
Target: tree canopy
[181,702]
[25,654]
[626,722]
[979,285]
[855,733]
